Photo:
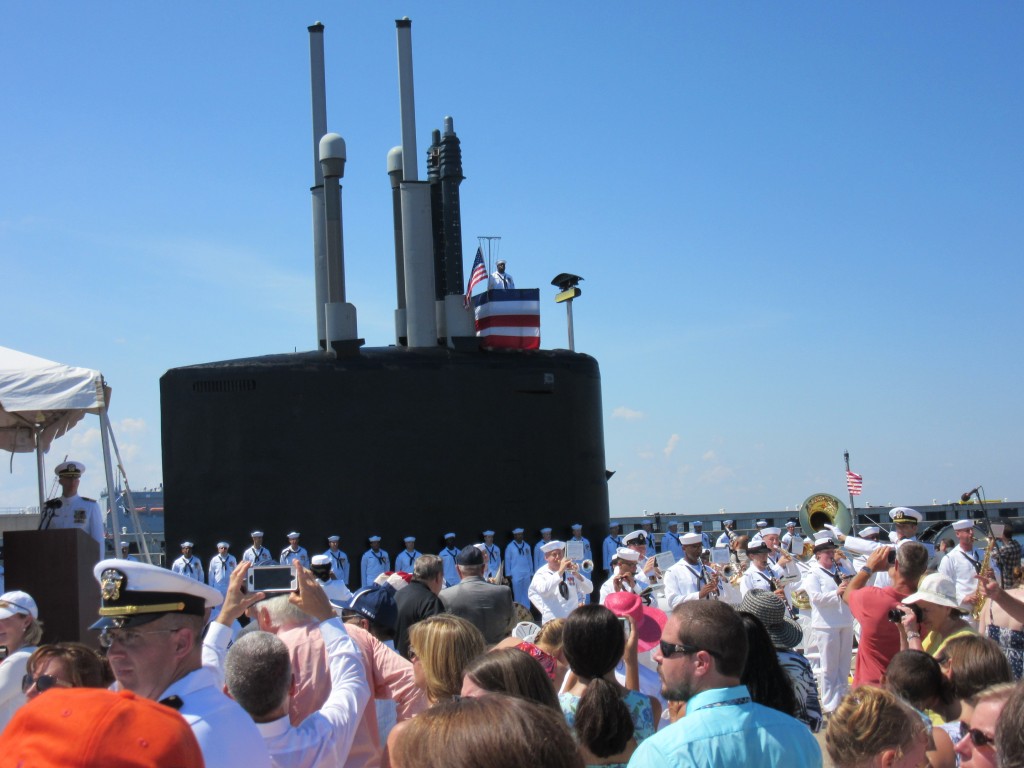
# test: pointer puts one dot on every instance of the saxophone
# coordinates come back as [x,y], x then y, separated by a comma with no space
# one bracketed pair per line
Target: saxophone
[986,561]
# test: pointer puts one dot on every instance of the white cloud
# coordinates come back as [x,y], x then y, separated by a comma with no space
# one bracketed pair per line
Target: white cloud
[670,446]
[131,425]
[709,455]
[716,475]
[85,440]
[627,414]
[646,454]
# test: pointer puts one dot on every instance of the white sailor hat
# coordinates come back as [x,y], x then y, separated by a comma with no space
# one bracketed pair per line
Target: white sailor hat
[675,524]
[409,539]
[638,536]
[223,544]
[320,560]
[646,521]
[577,527]
[791,523]
[697,524]
[500,262]
[488,533]
[124,545]
[551,546]
[137,593]
[728,522]
[871,530]
[333,538]
[822,535]
[517,531]
[257,534]
[823,543]
[905,515]
[761,524]
[545,530]
[188,544]
[449,535]
[625,553]
[69,469]
[962,525]
[293,535]
[481,546]
[770,531]
[690,538]
[373,539]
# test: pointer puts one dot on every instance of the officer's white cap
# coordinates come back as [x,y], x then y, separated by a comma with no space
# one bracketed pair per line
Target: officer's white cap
[135,593]
[625,553]
[488,533]
[409,539]
[71,468]
[633,536]
[905,515]
[374,538]
[334,538]
[551,546]
[517,530]
[187,544]
[770,531]
[962,525]
[690,538]
[257,534]
[320,560]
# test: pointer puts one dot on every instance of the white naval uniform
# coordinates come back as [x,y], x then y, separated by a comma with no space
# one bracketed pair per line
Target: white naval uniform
[962,569]
[225,732]
[451,571]
[683,582]
[792,544]
[339,564]
[519,569]
[500,281]
[609,587]
[288,554]
[670,543]
[723,541]
[547,599]
[259,556]
[406,560]
[373,565]
[493,560]
[220,572]
[588,554]
[611,543]
[76,512]
[755,579]
[831,634]
[189,566]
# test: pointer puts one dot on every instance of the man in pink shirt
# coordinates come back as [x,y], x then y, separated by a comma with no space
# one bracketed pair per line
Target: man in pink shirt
[880,637]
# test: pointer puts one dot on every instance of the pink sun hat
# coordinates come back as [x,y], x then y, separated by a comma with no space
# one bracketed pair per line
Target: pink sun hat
[649,621]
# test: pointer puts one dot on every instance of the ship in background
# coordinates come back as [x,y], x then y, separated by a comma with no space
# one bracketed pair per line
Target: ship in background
[431,434]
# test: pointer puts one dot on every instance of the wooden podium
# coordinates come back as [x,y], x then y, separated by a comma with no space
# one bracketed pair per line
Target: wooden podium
[55,567]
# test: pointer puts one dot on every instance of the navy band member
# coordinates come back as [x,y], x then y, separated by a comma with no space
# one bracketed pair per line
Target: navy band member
[188,564]
[698,528]
[690,579]
[558,588]
[623,578]
[670,541]
[71,510]
[728,527]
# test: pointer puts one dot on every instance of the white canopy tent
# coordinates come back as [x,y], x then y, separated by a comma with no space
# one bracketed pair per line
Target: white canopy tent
[41,400]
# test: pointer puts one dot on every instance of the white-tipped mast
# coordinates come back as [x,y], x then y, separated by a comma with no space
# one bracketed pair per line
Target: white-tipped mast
[417,234]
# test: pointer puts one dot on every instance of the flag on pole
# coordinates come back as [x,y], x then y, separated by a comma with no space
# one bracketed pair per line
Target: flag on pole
[508,319]
[854,483]
[476,275]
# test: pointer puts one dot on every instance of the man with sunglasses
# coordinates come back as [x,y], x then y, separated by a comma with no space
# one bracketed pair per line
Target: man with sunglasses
[151,623]
[701,656]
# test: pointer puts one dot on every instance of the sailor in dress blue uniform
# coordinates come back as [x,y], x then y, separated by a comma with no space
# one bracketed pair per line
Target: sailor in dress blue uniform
[493,556]
[339,560]
[293,551]
[538,553]
[611,543]
[221,566]
[188,564]
[519,567]
[375,562]
[257,554]
[406,559]
[448,555]
[670,541]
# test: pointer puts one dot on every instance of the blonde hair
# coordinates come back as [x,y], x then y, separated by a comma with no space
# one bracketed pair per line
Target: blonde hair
[444,644]
[868,721]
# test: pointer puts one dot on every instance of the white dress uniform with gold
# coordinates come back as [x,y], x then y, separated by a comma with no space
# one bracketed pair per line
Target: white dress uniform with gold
[75,512]
[831,632]
[548,598]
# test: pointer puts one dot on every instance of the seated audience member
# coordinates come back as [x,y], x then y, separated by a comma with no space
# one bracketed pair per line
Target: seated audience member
[91,727]
[65,665]
[513,672]
[764,677]
[1009,734]
[978,747]
[940,616]
[701,656]
[873,728]
[258,675]
[609,720]
[440,648]
[495,731]
[786,634]
[917,679]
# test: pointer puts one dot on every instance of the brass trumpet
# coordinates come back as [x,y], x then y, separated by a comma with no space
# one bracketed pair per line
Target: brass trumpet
[587,566]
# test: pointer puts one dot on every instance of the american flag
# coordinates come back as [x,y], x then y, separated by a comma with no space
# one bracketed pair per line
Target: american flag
[854,483]
[508,319]
[477,275]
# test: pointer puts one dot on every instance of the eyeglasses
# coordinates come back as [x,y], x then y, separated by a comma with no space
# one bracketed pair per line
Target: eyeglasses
[129,638]
[42,683]
[671,649]
[978,738]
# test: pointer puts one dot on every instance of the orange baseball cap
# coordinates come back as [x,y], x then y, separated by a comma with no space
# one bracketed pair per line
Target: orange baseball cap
[91,727]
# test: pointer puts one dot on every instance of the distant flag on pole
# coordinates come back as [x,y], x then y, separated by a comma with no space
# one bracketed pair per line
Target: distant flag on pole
[508,319]
[476,275]
[854,483]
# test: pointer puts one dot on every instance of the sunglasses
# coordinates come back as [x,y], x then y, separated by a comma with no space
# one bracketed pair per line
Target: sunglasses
[42,683]
[671,649]
[978,738]
[129,638]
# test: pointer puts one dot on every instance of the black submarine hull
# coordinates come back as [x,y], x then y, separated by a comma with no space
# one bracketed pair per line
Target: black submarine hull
[391,442]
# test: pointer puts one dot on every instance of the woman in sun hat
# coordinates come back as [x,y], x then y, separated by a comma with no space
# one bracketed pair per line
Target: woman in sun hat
[786,634]
[940,616]
[20,633]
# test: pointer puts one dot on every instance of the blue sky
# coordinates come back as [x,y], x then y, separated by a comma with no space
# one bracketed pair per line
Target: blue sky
[799,224]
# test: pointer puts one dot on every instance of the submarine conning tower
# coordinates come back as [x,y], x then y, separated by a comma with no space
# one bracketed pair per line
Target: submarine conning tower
[432,434]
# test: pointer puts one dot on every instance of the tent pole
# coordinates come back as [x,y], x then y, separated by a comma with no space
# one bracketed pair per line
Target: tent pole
[115,522]
[39,468]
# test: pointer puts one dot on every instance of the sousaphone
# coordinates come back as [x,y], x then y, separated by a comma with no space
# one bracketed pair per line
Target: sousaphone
[821,509]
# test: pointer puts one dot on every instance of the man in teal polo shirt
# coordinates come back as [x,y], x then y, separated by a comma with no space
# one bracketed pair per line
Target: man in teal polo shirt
[702,654]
